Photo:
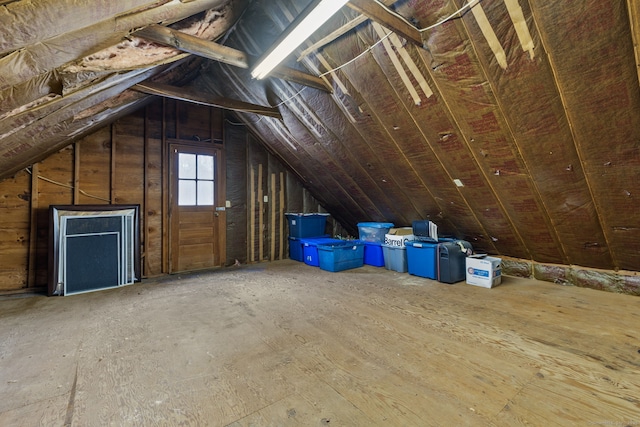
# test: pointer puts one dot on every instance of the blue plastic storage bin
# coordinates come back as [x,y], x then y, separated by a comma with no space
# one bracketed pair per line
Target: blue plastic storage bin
[373,254]
[310,248]
[373,231]
[341,256]
[307,225]
[421,259]
[295,249]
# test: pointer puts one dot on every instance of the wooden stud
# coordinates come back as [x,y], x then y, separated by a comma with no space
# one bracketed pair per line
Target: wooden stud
[272,200]
[33,228]
[76,173]
[146,266]
[216,122]
[112,177]
[252,211]
[177,123]
[260,215]
[281,216]
[165,190]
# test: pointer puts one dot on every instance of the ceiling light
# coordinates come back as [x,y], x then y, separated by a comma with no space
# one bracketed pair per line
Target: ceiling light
[312,18]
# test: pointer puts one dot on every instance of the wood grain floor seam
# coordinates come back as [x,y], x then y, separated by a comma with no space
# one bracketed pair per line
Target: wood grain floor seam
[239,420]
[68,419]
[518,392]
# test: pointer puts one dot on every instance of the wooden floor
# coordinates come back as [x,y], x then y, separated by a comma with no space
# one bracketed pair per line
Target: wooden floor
[284,344]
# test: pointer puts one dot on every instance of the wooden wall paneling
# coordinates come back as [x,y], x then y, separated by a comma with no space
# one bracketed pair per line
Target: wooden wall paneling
[272,202]
[93,167]
[310,204]
[154,189]
[217,125]
[14,232]
[164,152]
[54,188]
[128,162]
[294,192]
[33,227]
[129,181]
[260,215]
[153,208]
[215,121]
[259,158]
[276,217]
[252,212]
[145,197]
[194,122]
[112,169]
[237,192]
[174,223]
[129,185]
[177,119]
[281,211]
[76,173]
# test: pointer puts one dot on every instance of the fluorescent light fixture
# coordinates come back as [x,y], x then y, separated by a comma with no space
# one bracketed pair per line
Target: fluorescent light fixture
[312,18]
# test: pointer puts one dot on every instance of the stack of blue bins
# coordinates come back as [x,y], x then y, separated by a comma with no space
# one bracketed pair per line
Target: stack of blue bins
[371,234]
[305,226]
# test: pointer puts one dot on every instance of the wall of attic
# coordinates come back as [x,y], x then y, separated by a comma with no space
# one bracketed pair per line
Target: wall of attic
[126,163]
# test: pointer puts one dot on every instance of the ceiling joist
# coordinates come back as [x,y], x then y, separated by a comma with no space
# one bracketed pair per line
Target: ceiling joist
[224,54]
[191,95]
[379,13]
[195,45]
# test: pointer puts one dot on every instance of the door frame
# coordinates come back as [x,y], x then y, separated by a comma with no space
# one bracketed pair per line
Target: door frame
[220,195]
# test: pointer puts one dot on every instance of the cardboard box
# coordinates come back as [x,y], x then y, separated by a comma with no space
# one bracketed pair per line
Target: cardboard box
[484,271]
[398,236]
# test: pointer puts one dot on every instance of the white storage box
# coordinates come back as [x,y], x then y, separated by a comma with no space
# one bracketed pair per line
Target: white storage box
[484,271]
[397,237]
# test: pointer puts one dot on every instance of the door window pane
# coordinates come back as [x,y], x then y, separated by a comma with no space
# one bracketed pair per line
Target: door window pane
[186,192]
[196,179]
[205,167]
[186,166]
[205,193]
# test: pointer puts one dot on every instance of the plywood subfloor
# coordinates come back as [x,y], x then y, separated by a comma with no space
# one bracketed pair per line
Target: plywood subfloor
[284,344]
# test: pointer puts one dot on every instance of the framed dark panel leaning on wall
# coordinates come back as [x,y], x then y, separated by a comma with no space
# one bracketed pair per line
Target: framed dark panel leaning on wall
[93,247]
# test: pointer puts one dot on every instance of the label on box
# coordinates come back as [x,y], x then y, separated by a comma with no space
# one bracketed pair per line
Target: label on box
[476,272]
[397,240]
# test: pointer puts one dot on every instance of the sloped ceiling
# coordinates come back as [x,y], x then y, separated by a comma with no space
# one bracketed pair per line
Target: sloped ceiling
[515,124]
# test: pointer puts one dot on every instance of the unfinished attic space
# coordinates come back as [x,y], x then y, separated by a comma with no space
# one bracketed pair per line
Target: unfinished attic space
[319,212]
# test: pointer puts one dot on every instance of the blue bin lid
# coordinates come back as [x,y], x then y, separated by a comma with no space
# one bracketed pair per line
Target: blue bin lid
[420,244]
[340,244]
[306,214]
[315,241]
[375,224]
[369,243]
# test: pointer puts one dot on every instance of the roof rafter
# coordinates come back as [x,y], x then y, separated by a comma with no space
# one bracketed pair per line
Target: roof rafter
[193,96]
[225,54]
[377,12]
